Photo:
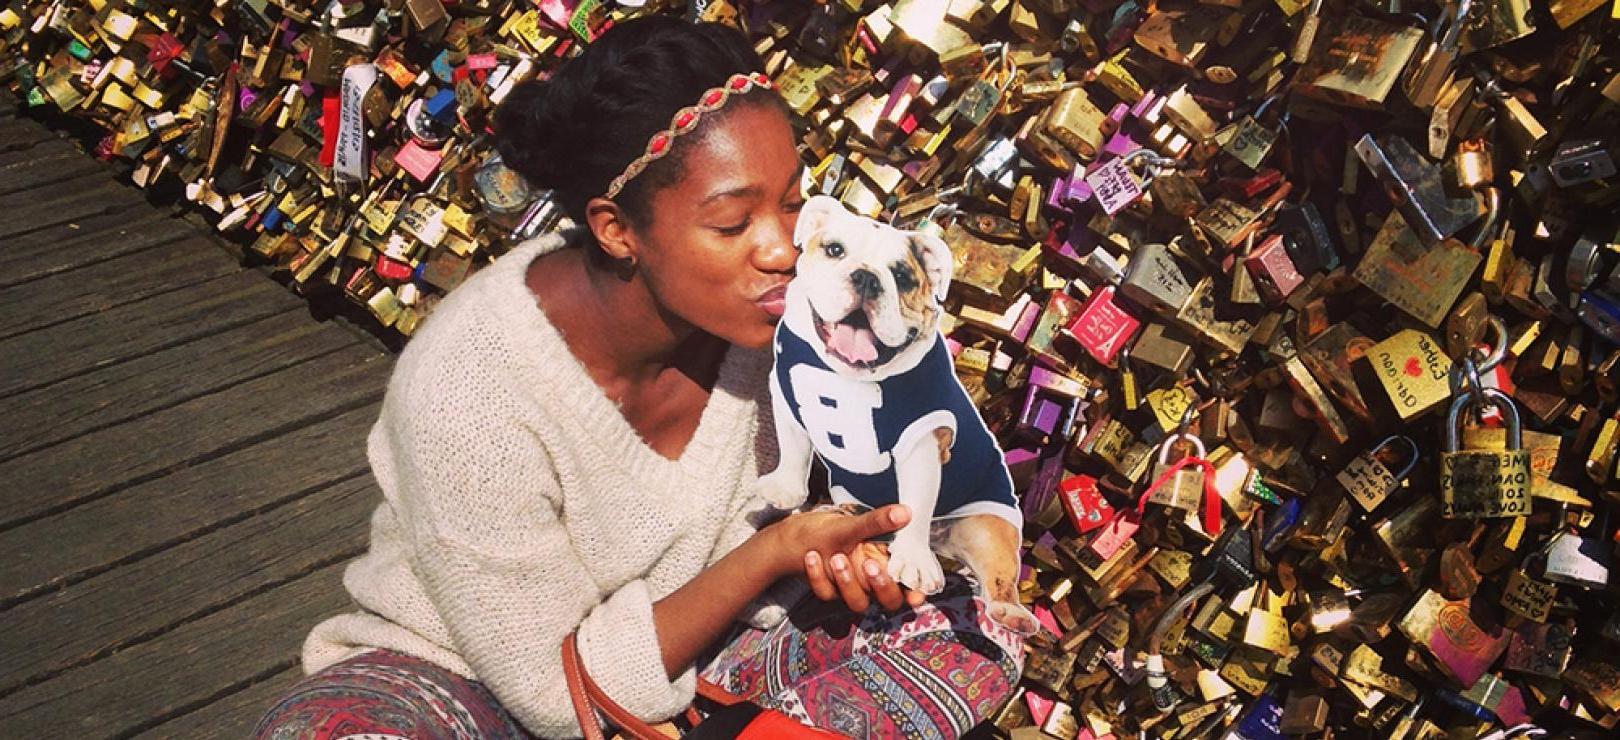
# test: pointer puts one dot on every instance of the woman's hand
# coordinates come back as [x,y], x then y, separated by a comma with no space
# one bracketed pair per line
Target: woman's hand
[862,571]
[831,547]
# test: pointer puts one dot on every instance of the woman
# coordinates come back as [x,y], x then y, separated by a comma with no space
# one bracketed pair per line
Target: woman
[570,443]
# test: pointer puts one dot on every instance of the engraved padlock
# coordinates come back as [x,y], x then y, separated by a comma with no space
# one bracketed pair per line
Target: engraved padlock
[1155,281]
[1477,484]
[1185,488]
[1576,560]
[1368,480]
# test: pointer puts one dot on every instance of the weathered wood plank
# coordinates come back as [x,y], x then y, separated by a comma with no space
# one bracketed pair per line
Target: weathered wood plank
[67,200]
[17,133]
[38,358]
[120,528]
[229,718]
[130,604]
[109,284]
[180,670]
[49,162]
[87,241]
[78,470]
[107,396]
[17,160]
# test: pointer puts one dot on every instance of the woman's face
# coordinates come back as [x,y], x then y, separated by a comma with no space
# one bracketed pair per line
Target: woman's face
[719,251]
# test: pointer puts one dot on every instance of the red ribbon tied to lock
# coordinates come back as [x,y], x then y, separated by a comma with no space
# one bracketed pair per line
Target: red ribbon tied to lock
[1211,518]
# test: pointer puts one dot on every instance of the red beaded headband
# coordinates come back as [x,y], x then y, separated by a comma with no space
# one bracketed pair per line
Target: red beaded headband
[687,119]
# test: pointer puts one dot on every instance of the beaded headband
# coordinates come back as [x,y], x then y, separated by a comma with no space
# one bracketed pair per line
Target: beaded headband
[685,120]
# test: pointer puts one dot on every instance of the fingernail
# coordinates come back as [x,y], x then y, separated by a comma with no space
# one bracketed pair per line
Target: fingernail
[871,569]
[812,558]
[838,563]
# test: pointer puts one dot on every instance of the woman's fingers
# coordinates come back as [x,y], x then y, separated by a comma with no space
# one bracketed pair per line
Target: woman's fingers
[848,583]
[878,522]
[873,569]
[815,572]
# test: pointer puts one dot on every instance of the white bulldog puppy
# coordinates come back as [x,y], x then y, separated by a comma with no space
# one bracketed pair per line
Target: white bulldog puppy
[863,379]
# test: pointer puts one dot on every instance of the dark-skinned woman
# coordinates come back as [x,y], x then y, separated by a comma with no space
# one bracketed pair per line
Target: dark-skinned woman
[570,442]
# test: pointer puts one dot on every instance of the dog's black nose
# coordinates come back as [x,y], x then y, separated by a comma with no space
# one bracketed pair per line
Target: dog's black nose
[866,283]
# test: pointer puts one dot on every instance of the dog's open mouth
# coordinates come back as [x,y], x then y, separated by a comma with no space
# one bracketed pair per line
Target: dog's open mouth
[851,340]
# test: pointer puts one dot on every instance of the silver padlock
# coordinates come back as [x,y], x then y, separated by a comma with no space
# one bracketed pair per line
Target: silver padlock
[1369,481]
[1154,280]
[1574,560]
[1416,187]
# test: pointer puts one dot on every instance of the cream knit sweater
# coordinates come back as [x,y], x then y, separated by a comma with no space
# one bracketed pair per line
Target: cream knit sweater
[519,504]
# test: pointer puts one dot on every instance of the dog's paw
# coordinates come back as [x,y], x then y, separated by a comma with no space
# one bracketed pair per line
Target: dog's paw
[782,492]
[912,564]
[1014,617]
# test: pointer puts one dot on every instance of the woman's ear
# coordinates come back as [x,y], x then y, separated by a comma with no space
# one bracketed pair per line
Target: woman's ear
[814,215]
[935,257]
[612,231]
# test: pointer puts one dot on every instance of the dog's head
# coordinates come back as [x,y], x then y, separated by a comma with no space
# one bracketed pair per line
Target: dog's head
[867,296]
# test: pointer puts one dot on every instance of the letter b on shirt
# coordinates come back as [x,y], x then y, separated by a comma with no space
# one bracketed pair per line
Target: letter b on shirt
[838,414]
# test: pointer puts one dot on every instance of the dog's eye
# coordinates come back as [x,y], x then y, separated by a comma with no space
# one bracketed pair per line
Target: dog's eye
[835,250]
[903,279]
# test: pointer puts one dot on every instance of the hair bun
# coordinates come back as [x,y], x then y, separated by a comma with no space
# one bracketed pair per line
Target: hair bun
[527,125]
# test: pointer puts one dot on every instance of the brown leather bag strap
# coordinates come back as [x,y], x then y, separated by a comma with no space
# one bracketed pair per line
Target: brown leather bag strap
[574,672]
[588,698]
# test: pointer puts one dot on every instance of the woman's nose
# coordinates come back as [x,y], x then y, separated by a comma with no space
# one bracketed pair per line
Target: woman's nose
[775,251]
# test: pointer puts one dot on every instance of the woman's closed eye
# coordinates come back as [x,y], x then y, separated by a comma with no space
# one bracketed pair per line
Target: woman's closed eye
[736,230]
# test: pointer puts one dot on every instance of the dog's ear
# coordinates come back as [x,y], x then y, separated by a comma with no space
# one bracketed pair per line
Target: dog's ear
[935,258]
[813,215]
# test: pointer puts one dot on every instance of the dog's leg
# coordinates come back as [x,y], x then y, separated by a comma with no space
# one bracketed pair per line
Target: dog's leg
[988,545]
[788,485]
[911,556]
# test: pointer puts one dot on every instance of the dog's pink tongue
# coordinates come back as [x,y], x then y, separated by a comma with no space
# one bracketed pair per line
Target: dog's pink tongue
[852,343]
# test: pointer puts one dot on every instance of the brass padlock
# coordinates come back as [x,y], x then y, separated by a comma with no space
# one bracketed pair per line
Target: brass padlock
[1426,74]
[1478,484]
[1185,488]
[1265,627]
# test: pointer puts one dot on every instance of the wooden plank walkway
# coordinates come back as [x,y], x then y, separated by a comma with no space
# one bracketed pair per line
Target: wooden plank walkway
[182,455]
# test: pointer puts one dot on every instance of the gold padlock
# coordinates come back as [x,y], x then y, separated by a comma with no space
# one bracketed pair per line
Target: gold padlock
[1185,489]
[1478,484]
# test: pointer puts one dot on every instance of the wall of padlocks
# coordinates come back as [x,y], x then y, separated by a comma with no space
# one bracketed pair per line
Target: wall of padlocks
[1298,320]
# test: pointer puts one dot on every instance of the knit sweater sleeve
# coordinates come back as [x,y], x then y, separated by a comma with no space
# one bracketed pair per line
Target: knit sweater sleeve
[462,455]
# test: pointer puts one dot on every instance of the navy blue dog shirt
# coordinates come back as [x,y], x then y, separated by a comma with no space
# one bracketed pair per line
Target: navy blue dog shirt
[855,426]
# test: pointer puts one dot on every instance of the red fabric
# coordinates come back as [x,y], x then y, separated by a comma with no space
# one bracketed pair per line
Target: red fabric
[772,724]
[331,114]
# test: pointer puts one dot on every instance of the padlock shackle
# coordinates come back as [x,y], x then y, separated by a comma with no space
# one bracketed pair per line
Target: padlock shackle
[1459,372]
[1448,26]
[1493,216]
[1411,461]
[1161,626]
[1494,397]
[1170,441]
[1155,163]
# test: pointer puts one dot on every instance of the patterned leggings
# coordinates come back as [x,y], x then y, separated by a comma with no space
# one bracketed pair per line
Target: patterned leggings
[932,672]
